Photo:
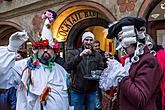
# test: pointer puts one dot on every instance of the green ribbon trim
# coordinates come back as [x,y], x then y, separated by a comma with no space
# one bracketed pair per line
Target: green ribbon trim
[41,105]
[28,87]
[49,66]
[35,57]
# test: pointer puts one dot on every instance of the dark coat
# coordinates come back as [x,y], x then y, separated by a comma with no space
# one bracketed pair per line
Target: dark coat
[81,66]
[59,60]
[139,90]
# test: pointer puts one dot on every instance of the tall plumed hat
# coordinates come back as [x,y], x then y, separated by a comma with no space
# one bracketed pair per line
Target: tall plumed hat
[116,27]
[46,38]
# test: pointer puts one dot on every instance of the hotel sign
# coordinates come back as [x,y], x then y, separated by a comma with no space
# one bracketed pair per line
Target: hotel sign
[73,19]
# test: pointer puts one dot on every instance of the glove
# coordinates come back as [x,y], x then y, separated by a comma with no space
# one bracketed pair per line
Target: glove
[123,71]
[113,74]
[108,77]
[85,52]
[16,40]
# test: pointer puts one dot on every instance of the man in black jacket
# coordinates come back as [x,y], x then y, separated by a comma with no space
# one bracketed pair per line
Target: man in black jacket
[81,62]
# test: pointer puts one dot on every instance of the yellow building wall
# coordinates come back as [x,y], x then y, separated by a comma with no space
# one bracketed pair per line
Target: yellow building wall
[105,44]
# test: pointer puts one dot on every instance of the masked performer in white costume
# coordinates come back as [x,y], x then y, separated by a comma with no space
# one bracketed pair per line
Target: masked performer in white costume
[41,82]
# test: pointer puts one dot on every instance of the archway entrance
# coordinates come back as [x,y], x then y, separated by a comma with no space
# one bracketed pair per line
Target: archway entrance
[6,29]
[76,18]
[153,11]
[157,22]
[96,26]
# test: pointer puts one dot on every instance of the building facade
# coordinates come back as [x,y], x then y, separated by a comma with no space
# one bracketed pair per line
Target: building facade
[77,16]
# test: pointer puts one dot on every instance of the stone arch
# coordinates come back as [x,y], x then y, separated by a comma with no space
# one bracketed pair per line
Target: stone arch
[103,19]
[92,4]
[6,29]
[146,7]
[75,41]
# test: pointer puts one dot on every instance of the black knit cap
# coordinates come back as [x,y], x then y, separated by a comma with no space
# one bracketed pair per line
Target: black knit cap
[126,21]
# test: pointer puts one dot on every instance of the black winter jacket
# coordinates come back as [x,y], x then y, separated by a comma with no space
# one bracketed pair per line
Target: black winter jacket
[81,66]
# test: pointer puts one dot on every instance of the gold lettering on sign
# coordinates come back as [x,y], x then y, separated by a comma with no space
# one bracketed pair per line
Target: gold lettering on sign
[73,19]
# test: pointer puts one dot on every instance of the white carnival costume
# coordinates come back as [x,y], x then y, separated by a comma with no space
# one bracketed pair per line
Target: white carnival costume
[38,87]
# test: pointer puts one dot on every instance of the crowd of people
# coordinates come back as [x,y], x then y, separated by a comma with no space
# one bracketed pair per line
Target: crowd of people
[40,81]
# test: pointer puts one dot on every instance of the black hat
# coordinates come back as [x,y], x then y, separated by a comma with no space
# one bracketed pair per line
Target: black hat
[126,21]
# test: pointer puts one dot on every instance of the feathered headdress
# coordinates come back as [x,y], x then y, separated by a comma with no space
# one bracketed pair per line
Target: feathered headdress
[46,38]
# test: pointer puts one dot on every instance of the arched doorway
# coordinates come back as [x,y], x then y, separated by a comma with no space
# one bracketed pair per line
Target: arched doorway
[86,25]
[6,29]
[157,22]
[76,18]
[153,11]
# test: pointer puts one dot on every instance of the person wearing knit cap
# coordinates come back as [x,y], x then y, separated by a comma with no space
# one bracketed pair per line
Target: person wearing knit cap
[41,83]
[140,78]
[81,62]
[87,39]
[87,34]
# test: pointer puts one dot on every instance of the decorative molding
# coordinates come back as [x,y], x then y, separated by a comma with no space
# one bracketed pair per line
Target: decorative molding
[92,4]
[162,6]
[146,7]
[73,19]
[126,5]
[11,23]
[157,12]
[155,15]
[37,6]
